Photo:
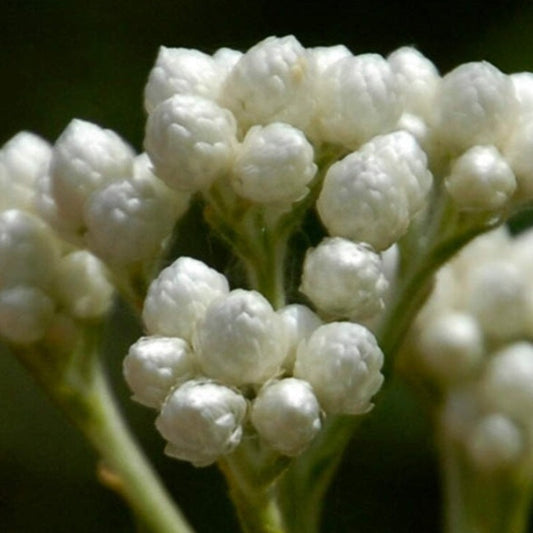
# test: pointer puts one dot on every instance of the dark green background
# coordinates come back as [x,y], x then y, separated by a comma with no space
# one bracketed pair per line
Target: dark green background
[60,60]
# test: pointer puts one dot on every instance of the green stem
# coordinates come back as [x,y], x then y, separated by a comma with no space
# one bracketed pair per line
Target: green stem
[481,502]
[252,474]
[78,386]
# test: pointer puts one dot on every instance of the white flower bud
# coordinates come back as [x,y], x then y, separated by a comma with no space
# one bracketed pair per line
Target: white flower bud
[371,194]
[22,159]
[241,339]
[476,105]
[325,56]
[500,297]
[29,251]
[272,82]
[299,322]
[181,71]
[25,314]
[190,141]
[274,165]
[178,298]
[523,88]
[507,384]
[358,99]
[495,442]
[82,286]
[342,362]
[451,346]
[286,414]
[85,159]
[417,79]
[226,59]
[518,152]
[129,220]
[344,279]
[481,179]
[154,365]
[201,422]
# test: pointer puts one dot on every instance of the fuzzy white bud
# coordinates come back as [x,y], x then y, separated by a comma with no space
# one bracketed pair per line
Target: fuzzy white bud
[154,365]
[202,421]
[358,98]
[190,141]
[371,195]
[344,279]
[274,165]
[85,159]
[82,286]
[25,314]
[272,82]
[342,362]
[481,179]
[476,105]
[181,71]
[451,346]
[495,442]
[29,251]
[241,339]
[286,414]
[178,298]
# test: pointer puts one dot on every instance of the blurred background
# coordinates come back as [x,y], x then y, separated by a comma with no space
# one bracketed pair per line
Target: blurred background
[65,59]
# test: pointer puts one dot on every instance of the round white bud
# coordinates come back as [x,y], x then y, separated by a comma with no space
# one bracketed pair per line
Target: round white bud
[523,87]
[481,179]
[241,339]
[476,105]
[29,251]
[358,98]
[272,82]
[507,384]
[181,71]
[25,314]
[22,159]
[325,56]
[190,141]
[417,78]
[82,286]
[226,59]
[450,346]
[85,159]
[201,421]
[495,442]
[371,194]
[344,279]
[178,298]
[155,365]
[286,414]
[274,165]
[128,221]
[518,152]
[299,322]
[342,362]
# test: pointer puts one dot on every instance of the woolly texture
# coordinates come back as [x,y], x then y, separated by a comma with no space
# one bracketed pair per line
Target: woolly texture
[201,422]
[190,141]
[286,414]
[178,298]
[154,365]
[241,339]
[344,279]
[342,362]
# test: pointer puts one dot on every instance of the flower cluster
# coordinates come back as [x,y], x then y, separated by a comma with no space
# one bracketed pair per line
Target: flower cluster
[44,282]
[217,360]
[472,342]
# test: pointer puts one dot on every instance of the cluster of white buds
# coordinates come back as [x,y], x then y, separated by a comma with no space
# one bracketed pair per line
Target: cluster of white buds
[472,341]
[44,282]
[218,360]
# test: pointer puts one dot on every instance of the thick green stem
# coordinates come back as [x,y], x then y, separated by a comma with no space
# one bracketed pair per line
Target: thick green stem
[77,384]
[252,474]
